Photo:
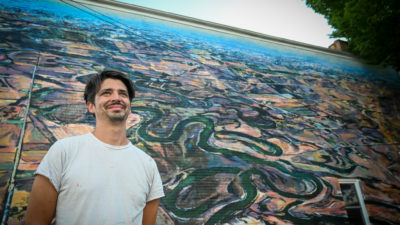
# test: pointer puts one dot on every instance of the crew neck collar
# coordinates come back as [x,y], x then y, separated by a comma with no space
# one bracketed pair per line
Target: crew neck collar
[115,147]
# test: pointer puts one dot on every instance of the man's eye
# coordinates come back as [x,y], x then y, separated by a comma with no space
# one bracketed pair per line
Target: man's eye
[106,93]
[124,94]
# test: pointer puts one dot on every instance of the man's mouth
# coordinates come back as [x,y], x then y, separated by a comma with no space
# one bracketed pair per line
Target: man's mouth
[116,106]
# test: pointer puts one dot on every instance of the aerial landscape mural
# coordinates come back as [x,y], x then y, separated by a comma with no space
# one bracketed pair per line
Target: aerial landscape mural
[243,130]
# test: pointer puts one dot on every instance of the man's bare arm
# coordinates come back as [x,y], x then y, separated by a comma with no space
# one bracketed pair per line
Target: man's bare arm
[42,202]
[150,212]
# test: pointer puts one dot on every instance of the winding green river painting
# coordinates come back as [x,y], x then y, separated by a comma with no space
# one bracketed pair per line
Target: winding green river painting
[243,130]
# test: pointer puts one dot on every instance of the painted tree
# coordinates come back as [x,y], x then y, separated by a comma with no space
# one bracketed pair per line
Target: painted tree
[372,28]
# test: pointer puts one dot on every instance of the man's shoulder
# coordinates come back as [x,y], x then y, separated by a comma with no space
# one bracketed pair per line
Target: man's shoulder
[141,154]
[72,139]
[69,146]
[138,151]
[76,137]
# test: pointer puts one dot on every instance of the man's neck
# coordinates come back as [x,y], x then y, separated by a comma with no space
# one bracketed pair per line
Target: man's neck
[112,134]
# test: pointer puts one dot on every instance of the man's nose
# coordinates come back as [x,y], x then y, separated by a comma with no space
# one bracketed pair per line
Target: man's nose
[116,96]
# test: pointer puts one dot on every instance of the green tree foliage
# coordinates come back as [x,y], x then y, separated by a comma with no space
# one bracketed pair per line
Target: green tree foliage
[372,27]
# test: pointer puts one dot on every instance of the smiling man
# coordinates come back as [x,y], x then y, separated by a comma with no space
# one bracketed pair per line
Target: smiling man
[99,177]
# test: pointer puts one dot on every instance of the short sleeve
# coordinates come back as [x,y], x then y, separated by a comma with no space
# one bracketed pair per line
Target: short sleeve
[52,165]
[156,187]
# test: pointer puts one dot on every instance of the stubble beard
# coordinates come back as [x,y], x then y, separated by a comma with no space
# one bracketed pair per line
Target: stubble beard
[119,116]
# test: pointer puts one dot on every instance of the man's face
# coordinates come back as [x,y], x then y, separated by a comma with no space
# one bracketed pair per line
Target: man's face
[111,101]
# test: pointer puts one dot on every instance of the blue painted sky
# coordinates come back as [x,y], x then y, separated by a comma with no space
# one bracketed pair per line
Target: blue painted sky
[290,19]
[157,30]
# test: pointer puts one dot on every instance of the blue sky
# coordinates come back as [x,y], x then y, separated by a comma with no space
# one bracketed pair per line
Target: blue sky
[290,19]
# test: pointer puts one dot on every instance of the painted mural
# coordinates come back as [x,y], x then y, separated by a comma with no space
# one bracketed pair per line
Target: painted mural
[243,131]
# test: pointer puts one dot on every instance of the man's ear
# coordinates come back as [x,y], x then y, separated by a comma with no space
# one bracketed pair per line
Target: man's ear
[90,106]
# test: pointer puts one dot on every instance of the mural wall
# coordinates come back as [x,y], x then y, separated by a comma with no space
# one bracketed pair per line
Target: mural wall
[243,131]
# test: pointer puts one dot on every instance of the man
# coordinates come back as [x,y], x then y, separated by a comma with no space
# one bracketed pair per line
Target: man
[99,177]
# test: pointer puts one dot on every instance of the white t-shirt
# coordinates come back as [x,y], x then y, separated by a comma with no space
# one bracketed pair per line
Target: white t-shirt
[99,183]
